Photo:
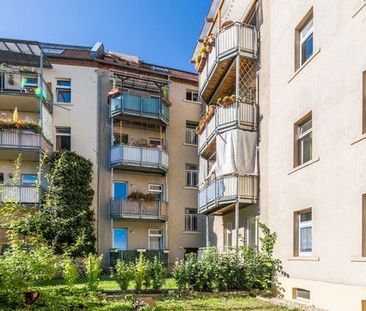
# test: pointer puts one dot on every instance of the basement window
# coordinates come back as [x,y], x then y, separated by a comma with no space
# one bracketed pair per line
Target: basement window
[301,294]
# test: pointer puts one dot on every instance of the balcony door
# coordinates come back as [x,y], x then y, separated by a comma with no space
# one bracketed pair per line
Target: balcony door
[120,190]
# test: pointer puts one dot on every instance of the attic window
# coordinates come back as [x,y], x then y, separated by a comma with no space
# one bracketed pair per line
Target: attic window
[53,51]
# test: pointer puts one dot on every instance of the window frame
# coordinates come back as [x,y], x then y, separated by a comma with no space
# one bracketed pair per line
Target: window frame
[191,133]
[191,172]
[303,39]
[59,134]
[161,235]
[299,138]
[28,184]
[63,88]
[189,91]
[297,226]
[299,40]
[192,219]
[295,294]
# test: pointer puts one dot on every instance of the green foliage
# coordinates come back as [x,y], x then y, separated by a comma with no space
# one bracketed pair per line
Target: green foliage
[66,204]
[157,273]
[124,274]
[238,269]
[19,125]
[70,273]
[141,272]
[23,267]
[93,267]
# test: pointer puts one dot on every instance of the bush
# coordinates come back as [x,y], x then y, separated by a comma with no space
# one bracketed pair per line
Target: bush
[243,268]
[71,273]
[124,274]
[141,272]
[93,267]
[157,273]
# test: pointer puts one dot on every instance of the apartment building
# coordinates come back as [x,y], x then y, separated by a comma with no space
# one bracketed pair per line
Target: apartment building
[310,109]
[115,110]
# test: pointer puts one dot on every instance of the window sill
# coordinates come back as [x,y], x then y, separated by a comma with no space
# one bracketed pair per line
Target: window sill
[191,101]
[304,65]
[358,259]
[304,258]
[191,232]
[190,145]
[357,140]
[190,188]
[359,10]
[297,168]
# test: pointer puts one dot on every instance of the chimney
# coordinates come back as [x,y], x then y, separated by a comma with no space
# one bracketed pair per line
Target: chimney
[97,50]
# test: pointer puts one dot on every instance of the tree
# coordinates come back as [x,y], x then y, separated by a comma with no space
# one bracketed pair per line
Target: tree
[65,219]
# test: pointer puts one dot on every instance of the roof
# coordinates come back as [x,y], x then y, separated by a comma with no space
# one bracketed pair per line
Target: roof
[66,51]
[22,53]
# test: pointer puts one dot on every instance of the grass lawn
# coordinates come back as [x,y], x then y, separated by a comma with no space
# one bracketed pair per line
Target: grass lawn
[202,304]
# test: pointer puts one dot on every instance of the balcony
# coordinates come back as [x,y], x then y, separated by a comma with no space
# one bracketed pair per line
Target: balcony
[239,115]
[19,194]
[149,107]
[237,39]
[224,191]
[130,256]
[23,140]
[140,158]
[131,209]
[23,90]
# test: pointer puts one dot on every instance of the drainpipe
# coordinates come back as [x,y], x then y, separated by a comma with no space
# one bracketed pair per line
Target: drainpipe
[40,86]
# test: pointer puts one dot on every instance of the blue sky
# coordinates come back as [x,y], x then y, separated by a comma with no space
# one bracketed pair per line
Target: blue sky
[162,32]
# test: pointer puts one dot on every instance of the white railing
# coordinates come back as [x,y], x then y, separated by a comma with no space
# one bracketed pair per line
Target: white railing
[226,189]
[238,114]
[139,156]
[138,209]
[236,38]
[23,139]
[19,194]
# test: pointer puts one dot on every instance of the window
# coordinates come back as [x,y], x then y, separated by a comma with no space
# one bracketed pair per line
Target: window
[120,238]
[29,180]
[155,142]
[303,141]
[192,96]
[191,136]
[1,178]
[191,175]
[251,232]
[155,239]
[157,191]
[304,40]
[120,139]
[63,91]
[191,219]
[63,138]
[363,217]
[301,294]
[228,236]
[303,233]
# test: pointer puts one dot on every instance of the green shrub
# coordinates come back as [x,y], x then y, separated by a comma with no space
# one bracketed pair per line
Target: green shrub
[180,274]
[71,273]
[157,273]
[93,267]
[208,272]
[124,274]
[141,272]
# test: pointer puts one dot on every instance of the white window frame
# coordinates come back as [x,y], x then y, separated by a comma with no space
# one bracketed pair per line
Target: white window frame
[301,138]
[305,36]
[192,92]
[248,231]
[191,221]
[190,132]
[228,231]
[161,235]
[301,298]
[191,172]
[62,134]
[305,224]
[63,87]
[151,188]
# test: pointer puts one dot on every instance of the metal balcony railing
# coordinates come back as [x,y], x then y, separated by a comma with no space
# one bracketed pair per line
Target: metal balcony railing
[130,256]
[24,140]
[19,194]
[240,114]
[138,105]
[25,84]
[238,38]
[139,209]
[228,189]
[139,157]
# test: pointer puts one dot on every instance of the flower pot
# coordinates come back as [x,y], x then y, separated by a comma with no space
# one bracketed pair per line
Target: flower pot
[201,65]
[227,102]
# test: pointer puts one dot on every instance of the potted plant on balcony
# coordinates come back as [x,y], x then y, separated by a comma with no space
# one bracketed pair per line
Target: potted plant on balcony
[201,59]
[136,196]
[149,197]
[209,42]
[228,101]
[200,127]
